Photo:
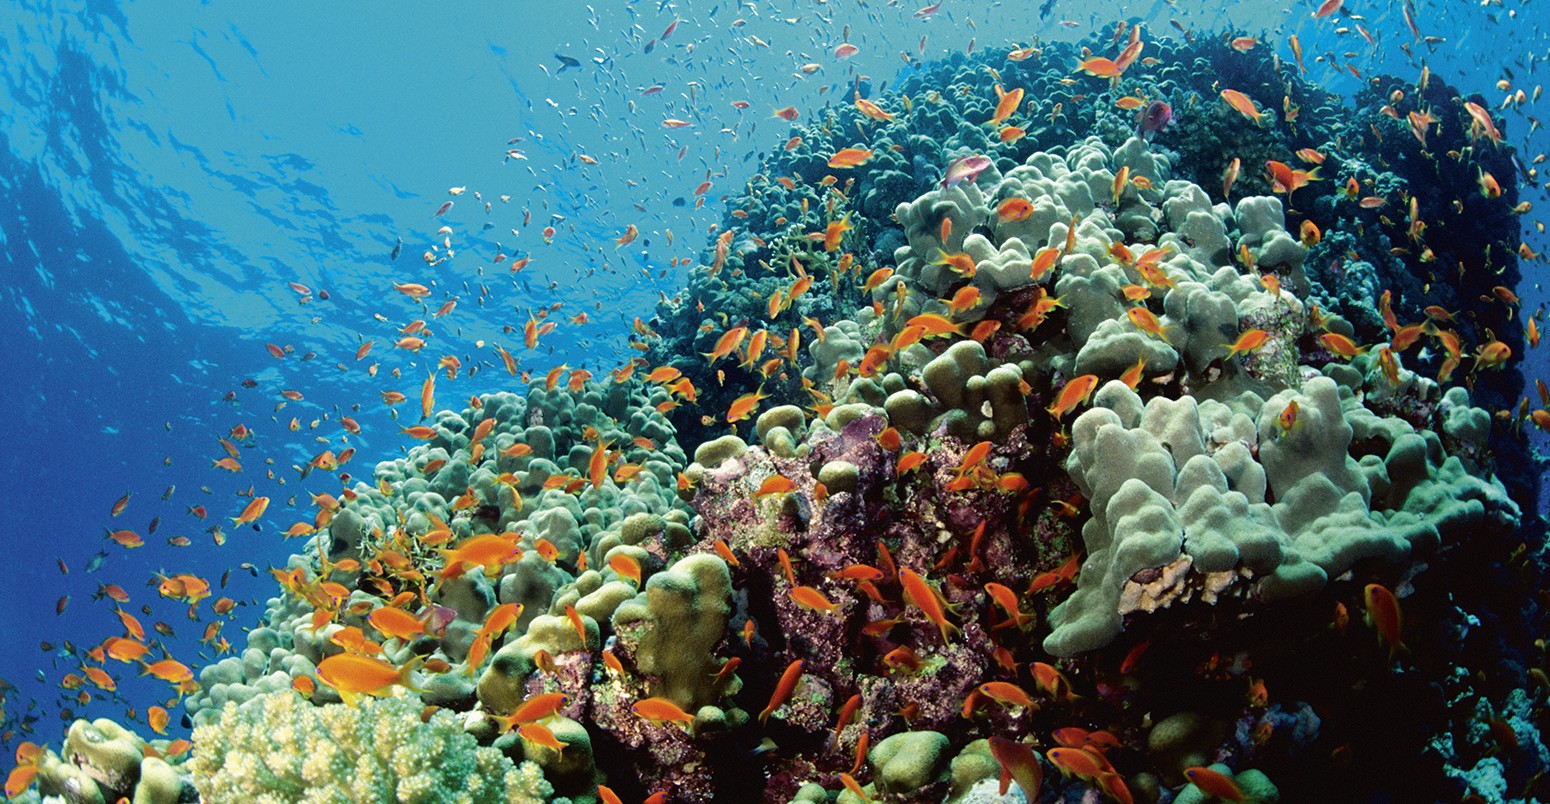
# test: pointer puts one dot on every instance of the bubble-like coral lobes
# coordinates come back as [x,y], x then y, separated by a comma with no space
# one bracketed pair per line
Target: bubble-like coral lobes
[1054,439]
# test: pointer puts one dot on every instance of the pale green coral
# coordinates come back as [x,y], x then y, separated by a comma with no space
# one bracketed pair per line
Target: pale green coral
[1191,498]
[672,627]
[279,748]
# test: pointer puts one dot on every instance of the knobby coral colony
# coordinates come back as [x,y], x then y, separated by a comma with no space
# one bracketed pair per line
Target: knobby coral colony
[1024,440]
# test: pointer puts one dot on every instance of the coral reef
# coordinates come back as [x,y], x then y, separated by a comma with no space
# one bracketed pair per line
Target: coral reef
[1074,439]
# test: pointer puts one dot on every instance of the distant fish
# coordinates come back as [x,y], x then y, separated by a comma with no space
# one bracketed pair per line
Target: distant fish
[567,62]
[97,561]
[398,248]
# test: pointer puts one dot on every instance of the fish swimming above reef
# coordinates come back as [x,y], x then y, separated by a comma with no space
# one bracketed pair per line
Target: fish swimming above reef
[566,62]
[965,169]
[1154,117]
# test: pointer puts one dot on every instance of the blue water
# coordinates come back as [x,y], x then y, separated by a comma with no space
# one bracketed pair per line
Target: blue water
[168,169]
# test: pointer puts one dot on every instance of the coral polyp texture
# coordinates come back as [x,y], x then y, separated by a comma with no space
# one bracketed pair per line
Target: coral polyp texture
[995,457]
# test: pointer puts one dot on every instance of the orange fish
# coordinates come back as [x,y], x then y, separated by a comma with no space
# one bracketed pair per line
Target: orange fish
[1100,67]
[1248,342]
[490,551]
[871,109]
[394,622]
[1043,262]
[501,618]
[536,708]
[169,670]
[930,602]
[1384,613]
[427,396]
[852,785]
[1309,234]
[577,623]
[1243,104]
[1007,600]
[1007,104]
[835,232]
[744,406]
[1340,345]
[775,484]
[597,465]
[1132,376]
[849,157]
[727,344]
[539,734]
[725,552]
[783,689]
[254,509]
[1078,762]
[965,299]
[877,278]
[1146,321]
[1052,681]
[1074,393]
[809,598]
[959,261]
[1288,417]
[157,718]
[1482,121]
[1014,209]
[1007,693]
[126,538]
[19,780]
[626,566]
[1018,763]
[100,678]
[1283,179]
[934,325]
[1215,784]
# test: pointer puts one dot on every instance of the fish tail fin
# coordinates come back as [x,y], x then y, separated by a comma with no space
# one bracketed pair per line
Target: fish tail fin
[405,673]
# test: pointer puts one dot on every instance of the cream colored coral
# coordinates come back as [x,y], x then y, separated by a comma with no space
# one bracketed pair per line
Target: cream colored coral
[280,748]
